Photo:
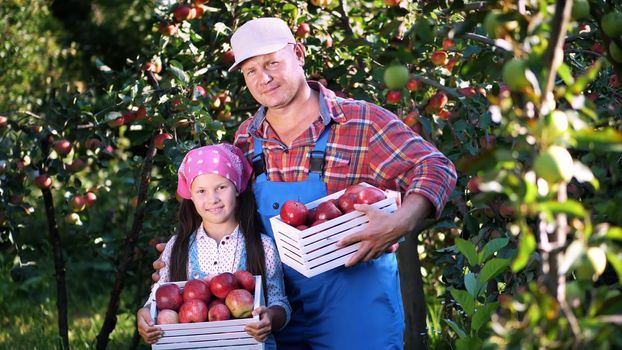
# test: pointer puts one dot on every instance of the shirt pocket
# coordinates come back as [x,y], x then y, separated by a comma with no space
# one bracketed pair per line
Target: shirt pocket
[337,165]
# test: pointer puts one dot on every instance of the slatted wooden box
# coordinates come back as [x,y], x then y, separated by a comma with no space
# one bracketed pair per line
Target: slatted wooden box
[312,251]
[228,334]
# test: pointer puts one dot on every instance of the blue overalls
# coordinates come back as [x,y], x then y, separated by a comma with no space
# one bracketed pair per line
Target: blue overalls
[345,308]
[196,272]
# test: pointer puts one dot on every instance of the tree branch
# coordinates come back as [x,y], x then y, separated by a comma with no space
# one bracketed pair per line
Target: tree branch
[555,53]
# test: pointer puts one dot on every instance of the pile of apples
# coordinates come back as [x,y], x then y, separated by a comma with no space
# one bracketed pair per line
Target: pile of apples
[296,214]
[222,297]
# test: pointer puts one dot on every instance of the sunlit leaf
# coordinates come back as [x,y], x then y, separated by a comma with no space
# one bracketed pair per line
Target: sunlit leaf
[584,174]
[598,259]
[467,248]
[526,246]
[465,300]
[571,207]
[615,259]
[472,284]
[493,268]
[606,140]
[491,247]
[573,252]
[177,70]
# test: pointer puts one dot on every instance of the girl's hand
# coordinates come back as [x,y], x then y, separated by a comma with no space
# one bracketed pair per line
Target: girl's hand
[146,326]
[260,330]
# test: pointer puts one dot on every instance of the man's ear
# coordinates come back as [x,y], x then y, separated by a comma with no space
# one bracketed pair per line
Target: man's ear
[299,51]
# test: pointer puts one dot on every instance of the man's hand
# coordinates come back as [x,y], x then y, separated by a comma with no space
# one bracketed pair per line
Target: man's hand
[260,330]
[377,238]
[146,328]
[158,264]
[385,229]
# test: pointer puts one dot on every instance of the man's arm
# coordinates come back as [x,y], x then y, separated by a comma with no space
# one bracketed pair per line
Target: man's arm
[385,229]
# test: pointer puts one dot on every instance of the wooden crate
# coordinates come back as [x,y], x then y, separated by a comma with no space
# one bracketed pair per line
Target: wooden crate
[227,334]
[312,251]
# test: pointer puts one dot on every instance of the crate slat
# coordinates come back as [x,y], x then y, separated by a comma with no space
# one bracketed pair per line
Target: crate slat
[228,334]
[313,251]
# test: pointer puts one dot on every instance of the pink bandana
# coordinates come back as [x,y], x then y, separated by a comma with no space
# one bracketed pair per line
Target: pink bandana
[222,159]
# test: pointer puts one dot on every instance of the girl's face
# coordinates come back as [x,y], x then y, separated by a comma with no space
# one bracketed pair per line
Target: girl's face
[215,199]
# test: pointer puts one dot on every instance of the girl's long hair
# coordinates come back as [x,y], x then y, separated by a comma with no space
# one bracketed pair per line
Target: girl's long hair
[250,226]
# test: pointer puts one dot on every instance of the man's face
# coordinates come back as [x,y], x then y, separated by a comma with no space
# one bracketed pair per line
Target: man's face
[274,79]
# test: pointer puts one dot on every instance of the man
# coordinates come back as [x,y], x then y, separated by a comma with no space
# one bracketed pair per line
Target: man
[305,143]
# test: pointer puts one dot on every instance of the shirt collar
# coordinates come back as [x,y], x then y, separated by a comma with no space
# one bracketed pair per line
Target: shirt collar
[329,108]
[232,236]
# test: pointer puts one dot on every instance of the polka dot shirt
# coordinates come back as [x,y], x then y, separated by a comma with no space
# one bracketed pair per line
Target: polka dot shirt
[224,256]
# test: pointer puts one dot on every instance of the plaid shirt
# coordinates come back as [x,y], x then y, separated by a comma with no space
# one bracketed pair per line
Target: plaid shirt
[367,143]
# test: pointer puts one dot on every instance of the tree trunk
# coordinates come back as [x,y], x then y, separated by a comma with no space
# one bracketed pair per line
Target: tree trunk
[59,267]
[125,256]
[415,336]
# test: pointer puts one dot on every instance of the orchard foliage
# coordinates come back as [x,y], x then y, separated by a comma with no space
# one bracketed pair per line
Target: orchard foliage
[524,97]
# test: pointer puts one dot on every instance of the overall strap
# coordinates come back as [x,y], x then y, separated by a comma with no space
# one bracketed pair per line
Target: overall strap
[193,257]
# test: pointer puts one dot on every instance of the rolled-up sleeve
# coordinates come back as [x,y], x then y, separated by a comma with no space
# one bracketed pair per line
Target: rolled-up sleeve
[401,158]
[274,278]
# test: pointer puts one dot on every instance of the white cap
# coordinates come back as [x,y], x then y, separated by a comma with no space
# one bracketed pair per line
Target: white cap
[259,37]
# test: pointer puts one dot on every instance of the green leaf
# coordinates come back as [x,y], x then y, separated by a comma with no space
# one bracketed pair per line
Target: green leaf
[472,284]
[467,248]
[565,73]
[456,328]
[493,268]
[585,79]
[469,343]
[177,70]
[614,233]
[607,140]
[526,246]
[584,174]
[492,247]
[616,262]
[482,315]
[571,207]
[465,300]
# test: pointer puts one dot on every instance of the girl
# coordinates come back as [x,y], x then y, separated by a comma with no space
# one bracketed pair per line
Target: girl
[217,233]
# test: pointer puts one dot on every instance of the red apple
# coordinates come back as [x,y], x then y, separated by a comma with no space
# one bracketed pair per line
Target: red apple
[451,63]
[90,198]
[218,312]
[196,289]
[293,213]
[228,57]
[215,302]
[317,222]
[439,58]
[222,284]
[412,85]
[326,211]
[473,184]
[436,103]
[468,91]
[160,138]
[346,202]
[92,143]
[168,296]
[167,29]
[199,91]
[182,12]
[303,30]
[140,113]
[76,165]
[370,195]
[302,227]
[394,96]
[43,181]
[62,147]
[240,303]
[3,121]
[246,280]
[354,189]
[392,2]
[113,123]
[448,43]
[444,114]
[78,203]
[193,310]
[167,316]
